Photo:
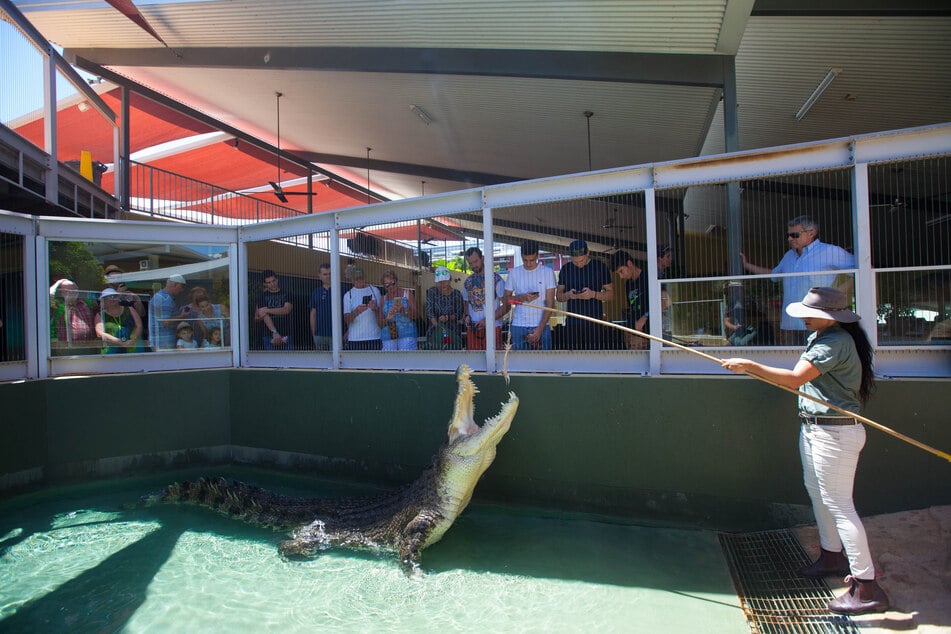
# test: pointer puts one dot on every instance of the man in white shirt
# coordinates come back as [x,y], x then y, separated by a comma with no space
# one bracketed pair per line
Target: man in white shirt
[806,253]
[362,314]
[533,284]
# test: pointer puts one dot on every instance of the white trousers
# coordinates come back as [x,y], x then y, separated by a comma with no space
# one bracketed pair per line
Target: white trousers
[830,454]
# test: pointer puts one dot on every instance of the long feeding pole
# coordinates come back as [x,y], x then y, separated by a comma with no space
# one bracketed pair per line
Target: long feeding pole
[867,421]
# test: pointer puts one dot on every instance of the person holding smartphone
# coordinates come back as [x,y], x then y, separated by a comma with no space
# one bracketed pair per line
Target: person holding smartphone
[362,314]
[532,283]
[399,310]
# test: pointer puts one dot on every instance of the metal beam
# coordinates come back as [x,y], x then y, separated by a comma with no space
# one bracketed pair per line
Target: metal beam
[870,8]
[25,26]
[680,69]
[411,169]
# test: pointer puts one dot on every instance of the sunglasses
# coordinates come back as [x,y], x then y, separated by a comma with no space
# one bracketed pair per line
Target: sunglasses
[795,234]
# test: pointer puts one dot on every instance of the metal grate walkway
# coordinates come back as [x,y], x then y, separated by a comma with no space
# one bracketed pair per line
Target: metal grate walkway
[775,598]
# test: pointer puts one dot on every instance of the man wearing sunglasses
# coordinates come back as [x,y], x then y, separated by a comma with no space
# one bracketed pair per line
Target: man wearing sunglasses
[806,253]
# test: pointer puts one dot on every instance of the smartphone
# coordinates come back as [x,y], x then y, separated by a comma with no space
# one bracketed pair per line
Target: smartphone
[367,299]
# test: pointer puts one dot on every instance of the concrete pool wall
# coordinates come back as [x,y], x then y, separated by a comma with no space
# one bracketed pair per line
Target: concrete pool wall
[717,452]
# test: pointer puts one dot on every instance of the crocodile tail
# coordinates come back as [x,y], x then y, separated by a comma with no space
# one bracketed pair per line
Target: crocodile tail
[236,500]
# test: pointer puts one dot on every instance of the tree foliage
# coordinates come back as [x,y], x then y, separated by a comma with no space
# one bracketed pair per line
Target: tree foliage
[74,261]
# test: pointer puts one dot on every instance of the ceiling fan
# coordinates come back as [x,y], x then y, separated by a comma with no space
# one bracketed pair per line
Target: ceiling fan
[276,185]
[897,203]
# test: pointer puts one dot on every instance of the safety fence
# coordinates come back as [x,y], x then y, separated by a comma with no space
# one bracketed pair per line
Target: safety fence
[702,252]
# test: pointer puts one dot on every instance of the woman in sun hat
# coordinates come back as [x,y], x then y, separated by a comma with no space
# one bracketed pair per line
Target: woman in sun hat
[836,367]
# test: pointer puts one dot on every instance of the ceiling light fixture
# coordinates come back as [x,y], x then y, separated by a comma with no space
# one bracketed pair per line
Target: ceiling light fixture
[422,114]
[821,88]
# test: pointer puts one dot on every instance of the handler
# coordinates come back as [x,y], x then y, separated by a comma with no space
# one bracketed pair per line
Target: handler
[836,368]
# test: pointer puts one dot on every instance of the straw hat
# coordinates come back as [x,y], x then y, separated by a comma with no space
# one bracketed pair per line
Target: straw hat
[825,303]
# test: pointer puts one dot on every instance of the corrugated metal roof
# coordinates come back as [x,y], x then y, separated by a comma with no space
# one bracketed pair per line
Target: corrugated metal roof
[895,73]
[673,26]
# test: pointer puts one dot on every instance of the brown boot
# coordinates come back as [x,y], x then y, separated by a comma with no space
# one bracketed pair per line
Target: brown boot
[828,564]
[863,597]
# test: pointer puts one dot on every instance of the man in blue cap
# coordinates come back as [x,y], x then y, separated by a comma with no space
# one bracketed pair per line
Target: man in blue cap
[584,284]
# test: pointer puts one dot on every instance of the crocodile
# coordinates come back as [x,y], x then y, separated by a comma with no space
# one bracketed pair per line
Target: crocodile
[405,520]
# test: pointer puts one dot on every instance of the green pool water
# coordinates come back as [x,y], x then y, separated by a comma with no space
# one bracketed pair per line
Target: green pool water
[75,560]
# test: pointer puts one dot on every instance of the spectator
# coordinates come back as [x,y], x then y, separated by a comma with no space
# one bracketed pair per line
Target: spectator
[665,258]
[185,333]
[806,253]
[207,315]
[214,339]
[112,274]
[273,312]
[399,314]
[321,310]
[444,311]
[584,283]
[637,294]
[119,326]
[72,319]
[164,315]
[743,322]
[362,314]
[473,294]
[534,284]
[836,368]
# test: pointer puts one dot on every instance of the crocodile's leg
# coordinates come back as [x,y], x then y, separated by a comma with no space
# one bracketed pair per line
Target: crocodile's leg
[415,535]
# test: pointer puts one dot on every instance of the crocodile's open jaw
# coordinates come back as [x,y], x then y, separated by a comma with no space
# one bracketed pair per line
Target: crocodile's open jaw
[465,435]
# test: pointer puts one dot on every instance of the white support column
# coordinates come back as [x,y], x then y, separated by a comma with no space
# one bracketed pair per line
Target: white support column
[242,332]
[488,271]
[336,297]
[236,256]
[866,301]
[49,127]
[36,296]
[656,319]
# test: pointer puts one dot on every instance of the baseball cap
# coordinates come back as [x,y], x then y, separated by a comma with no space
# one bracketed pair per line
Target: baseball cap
[662,251]
[578,247]
[178,279]
[183,324]
[442,274]
[107,292]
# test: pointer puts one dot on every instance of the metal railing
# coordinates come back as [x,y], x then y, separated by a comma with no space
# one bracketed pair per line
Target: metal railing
[196,201]
[636,209]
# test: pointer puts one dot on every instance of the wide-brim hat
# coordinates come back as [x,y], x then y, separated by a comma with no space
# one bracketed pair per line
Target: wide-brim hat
[823,302]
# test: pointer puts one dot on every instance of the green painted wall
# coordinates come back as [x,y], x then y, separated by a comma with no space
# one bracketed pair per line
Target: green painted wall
[715,451]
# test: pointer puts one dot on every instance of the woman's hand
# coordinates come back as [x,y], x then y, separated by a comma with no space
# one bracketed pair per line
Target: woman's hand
[739,366]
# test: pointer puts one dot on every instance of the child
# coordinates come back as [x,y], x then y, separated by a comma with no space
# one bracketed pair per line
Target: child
[184,332]
[214,338]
